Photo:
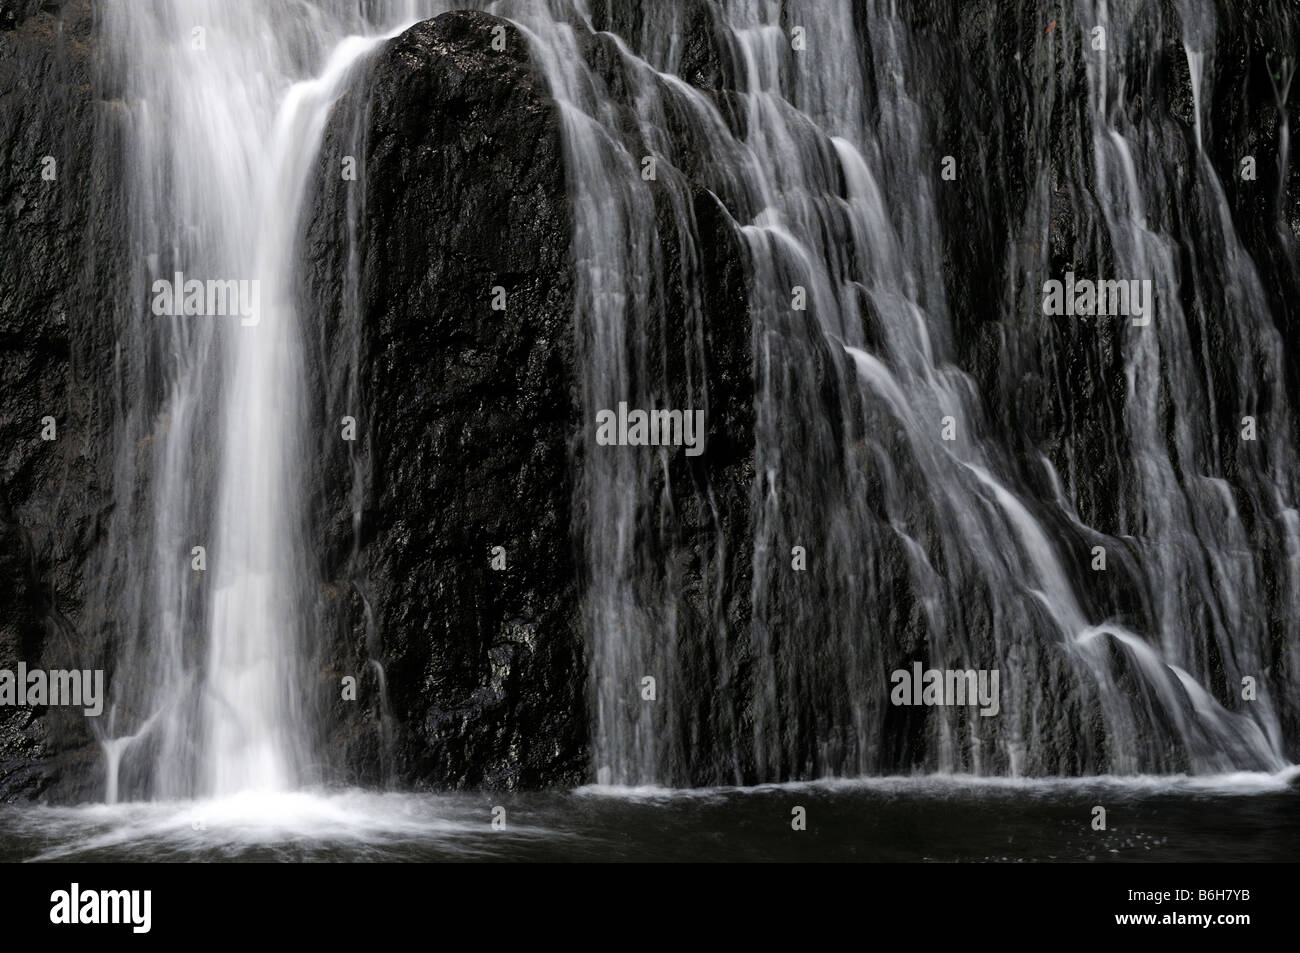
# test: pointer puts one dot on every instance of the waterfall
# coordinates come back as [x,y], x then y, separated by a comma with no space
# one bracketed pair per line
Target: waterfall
[963,553]
[225,106]
[906,499]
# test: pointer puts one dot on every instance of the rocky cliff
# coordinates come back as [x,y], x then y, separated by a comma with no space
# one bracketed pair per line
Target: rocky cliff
[60,218]
[442,323]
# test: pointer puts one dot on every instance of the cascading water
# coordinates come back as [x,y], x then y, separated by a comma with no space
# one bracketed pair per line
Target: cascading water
[226,105]
[828,226]
[920,548]
[963,553]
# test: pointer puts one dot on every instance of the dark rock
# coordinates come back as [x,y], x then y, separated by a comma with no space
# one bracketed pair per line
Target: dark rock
[469,420]
[56,361]
[467,412]
[464,190]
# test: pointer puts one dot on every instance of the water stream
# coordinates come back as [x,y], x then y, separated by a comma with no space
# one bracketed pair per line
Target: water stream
[939,524]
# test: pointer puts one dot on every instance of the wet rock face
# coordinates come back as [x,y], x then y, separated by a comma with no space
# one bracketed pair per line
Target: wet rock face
[58,205]
[1026,207]
[467,413]
[14,12]
[472,420]
[467,417]
[1028,116]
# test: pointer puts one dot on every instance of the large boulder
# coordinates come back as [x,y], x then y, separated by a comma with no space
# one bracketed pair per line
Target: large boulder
[465,416]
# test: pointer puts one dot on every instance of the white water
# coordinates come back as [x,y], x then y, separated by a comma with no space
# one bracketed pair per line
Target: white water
[226,104]
[603,823]
[212,694]
[254,728]
[843,199]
